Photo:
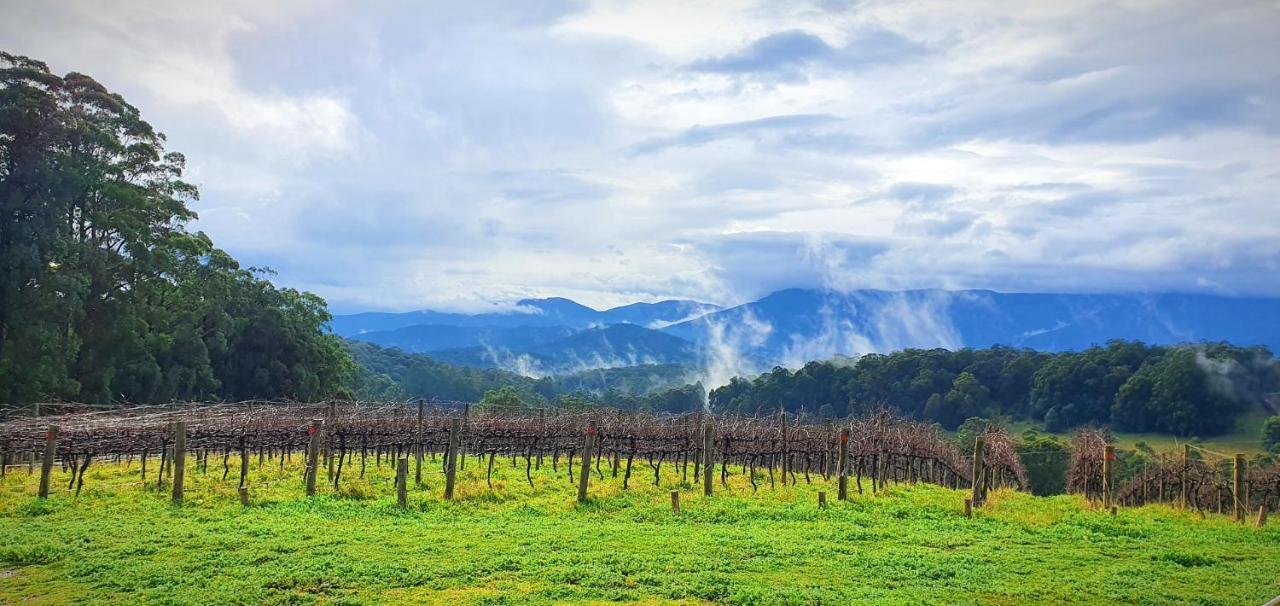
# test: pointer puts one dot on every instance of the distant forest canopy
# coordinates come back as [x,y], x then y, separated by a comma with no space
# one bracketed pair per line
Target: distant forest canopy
[1183,390]
[391,374]
[104,294]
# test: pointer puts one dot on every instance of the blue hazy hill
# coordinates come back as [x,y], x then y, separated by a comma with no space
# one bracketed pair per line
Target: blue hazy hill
[797,320]
[555,311]
[613,346]
[793,326]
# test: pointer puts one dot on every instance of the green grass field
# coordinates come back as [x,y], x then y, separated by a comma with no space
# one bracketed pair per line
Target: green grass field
[1246,438]
[124,544]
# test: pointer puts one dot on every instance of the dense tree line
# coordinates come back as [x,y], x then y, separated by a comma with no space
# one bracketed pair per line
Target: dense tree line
[1183,390]
[392,374]
[105,296]
[1271,434]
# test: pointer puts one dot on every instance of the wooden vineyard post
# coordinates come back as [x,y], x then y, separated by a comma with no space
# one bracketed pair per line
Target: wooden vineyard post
[1108,454]
[313,455]
[46,465]
[451,458]
[1262,516]
[786,448]
[417,449]
[1161,492]
[709,456]
[968,507]
[976,496]
[842,473]
[402,480]
[332,422]
[675,501]
[1182,476]
[584,474]
[466,413]
[244,462]
[1237,486]
[244,495]
[822,500]
[542,432]
[179,459]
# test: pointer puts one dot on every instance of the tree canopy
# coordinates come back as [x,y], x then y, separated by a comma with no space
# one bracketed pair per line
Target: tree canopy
[105,295]
[1186,390]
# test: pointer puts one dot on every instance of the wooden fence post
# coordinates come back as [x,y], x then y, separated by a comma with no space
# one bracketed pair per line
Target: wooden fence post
[179,459]
[822,500]
[675,501]
[709,456]
[451,458]
[331,423]
[584,474]
[1237,485]
[968,507]
[977,492]
[402,480]
[1182,476]
[1262,516]
[466,414]
[417,466]
[841,465]
[786,448]
[1108,454]
[46,466]
[313,455]
[244,461]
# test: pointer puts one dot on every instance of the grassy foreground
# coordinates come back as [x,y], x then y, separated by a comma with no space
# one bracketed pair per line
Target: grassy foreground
[119,542]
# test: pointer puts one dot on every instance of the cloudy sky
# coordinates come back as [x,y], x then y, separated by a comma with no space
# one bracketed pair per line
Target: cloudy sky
[458,154]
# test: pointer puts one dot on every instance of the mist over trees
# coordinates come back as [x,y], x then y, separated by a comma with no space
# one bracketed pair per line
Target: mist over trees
[1183,390]
[106,296]
[104,293]
[392,374]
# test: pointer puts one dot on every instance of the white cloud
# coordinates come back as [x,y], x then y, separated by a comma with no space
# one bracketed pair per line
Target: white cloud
[447,155]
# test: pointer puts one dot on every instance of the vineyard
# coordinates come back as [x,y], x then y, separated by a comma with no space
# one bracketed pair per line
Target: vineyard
[429,503]
[340,439]
[336,440]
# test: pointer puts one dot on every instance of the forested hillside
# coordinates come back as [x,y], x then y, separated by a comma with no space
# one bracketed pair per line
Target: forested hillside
[391,374]
[1182,390]
[104,293]
[1133,387]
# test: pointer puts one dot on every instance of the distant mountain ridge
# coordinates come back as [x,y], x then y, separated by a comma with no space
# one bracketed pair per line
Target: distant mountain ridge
[793,326]
[613,346]
[797,324]
[555,311]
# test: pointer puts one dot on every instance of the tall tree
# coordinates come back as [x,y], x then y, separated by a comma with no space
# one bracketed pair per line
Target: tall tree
[104,293]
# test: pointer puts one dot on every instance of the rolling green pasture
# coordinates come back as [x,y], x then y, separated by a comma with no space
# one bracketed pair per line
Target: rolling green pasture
[1246,438]
[122,543]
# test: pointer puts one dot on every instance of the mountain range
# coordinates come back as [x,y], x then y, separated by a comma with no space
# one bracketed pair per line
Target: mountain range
[791,327]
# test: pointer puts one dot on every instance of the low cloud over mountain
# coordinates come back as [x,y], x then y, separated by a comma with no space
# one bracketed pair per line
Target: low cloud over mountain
[791,327]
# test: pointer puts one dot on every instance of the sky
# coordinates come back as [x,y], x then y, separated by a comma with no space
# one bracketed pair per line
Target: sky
[464,155]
